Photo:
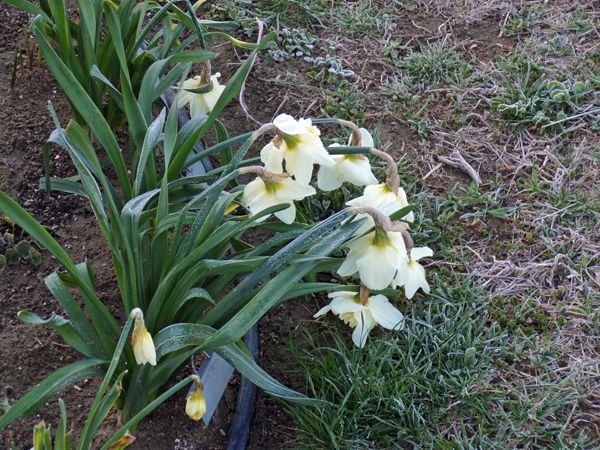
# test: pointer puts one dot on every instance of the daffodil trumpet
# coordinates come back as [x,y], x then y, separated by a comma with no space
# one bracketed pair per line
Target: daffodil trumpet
[383,222]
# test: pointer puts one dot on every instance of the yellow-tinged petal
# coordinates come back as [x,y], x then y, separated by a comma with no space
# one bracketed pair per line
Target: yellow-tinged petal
[124,441]
[141,340]
[195,405]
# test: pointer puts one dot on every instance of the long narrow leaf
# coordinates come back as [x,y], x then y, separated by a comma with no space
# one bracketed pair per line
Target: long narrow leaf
[60,379]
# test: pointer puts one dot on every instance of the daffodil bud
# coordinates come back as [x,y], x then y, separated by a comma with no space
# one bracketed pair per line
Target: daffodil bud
[195,405]
[141,341]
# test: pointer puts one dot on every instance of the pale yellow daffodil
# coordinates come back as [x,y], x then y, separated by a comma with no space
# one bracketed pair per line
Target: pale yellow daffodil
[363,317]
[380,197]
[200,103]
[413,278]
[298,145]
[351,168]
[141,340]
[377,257]
[261,194]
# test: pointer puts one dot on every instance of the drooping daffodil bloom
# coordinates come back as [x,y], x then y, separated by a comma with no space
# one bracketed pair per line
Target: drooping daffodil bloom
[413,277]
[141,340]
[200,103]
[377,257]
[363,317]
[381,197]
[262,193]
[298,145]
[195,405]
[355,169]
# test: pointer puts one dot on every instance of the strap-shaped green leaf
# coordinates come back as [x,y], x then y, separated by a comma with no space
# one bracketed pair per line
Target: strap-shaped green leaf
[56,382]
[84,105]
[102,402]
[182,336]
[151,140]
[235,299]
[234,329]
[63,327]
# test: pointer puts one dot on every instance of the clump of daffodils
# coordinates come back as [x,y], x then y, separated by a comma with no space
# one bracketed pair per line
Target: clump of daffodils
[382,254]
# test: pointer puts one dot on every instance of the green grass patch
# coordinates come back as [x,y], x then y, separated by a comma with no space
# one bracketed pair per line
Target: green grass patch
[435,64]
[417,387]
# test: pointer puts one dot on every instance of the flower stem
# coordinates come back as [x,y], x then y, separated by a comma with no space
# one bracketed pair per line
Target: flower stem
[356,136]
[391,170]
[263,173]
[364,294]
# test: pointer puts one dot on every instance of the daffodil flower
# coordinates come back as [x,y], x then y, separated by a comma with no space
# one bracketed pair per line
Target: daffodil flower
[200,103]
[380,197]
[377,257]
[413,277]
[195,405]
[262,193]
[299,145]
[363,317]
[141,341]
[355,169]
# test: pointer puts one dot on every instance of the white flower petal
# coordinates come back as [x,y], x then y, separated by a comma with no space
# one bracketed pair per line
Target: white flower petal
[327,179]
[366,138]
[341,305]
[377,266]
[289,189]
[384,313]
[348,267]
[287,124]
[365,324]
[420,252]
[324,310]
[415,280]
[287,215]
[272,158]
[357,172]
[298,164]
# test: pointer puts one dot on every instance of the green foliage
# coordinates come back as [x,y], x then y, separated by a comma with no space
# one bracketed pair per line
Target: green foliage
[435,64]
[292,43]
[530,98]
[179,255]
[13,252]
[345,101]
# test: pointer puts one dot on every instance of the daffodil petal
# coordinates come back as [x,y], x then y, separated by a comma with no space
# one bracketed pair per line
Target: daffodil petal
[384,313]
